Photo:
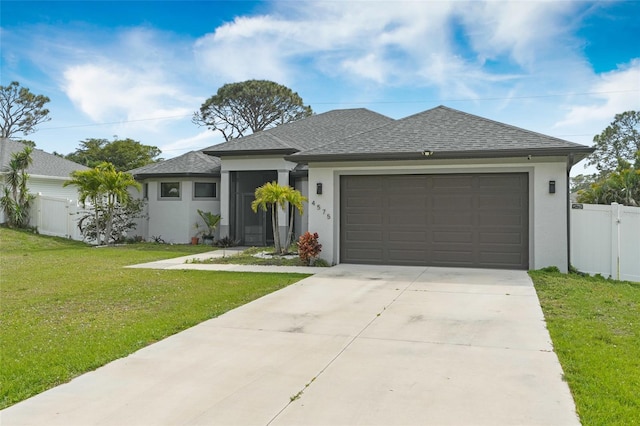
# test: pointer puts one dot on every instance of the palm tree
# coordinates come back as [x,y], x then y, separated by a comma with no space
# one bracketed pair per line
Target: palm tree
[272,195]
[211,222]
[16,200]
[89,183]
[115,186]
[103,186]
[295,200]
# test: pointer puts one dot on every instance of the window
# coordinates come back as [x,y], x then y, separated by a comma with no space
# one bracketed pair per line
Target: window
[204,190]
[169,189]
[145,191]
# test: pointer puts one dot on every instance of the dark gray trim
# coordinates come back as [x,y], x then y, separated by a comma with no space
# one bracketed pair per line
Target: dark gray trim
[579,153]
[299,173]
[143,176]
[241,152]
[180,191]
[193,191]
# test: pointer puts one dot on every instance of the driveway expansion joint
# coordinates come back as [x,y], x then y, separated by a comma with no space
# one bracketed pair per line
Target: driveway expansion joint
[298,395]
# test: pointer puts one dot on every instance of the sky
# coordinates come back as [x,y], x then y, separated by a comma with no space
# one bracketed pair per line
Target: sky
[140,69]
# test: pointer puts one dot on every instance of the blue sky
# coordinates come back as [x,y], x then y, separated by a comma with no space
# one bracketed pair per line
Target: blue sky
[140,69]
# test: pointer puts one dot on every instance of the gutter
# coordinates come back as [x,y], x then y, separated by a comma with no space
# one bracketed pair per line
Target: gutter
[171,175]
[427,154]
[243,152]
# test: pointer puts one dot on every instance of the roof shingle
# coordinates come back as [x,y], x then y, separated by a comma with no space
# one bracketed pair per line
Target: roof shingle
[442,131]
[189,164]
[44,164]
[304,134]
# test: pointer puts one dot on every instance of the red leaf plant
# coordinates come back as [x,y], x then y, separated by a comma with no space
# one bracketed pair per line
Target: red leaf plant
[308,247]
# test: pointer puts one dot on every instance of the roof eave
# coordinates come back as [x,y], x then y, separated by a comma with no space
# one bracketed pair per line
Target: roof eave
[579,153]
[139,176]
[243,152]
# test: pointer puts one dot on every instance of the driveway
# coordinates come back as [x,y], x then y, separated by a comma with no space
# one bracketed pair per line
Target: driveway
[352,345]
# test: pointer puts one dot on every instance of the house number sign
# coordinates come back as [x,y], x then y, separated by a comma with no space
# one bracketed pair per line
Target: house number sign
[319,208]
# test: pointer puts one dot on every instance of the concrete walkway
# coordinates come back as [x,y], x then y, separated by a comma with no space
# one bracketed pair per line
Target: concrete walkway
[351,345]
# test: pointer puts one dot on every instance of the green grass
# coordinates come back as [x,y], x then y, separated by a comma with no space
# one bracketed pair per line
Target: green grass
[68,308]
[595,327]
[247,258]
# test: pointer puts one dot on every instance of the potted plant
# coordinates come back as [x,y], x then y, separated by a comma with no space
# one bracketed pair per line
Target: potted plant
[195,239]
[211,222]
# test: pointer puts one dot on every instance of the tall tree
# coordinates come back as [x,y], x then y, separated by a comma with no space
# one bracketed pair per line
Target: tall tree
[20,110]
[250,106]
[124,154]
[16,200]
[106,188]
[272,196]
[582,182]
[27,142]
[621,186]
[617,158]
[619,141]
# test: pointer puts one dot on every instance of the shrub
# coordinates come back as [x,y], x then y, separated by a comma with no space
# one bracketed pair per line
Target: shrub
[123,217]
[308,247]
[226,242]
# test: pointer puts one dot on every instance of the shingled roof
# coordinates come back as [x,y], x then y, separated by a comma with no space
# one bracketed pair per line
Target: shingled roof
[304,134]
[193,163]
[442,132]
[44,164]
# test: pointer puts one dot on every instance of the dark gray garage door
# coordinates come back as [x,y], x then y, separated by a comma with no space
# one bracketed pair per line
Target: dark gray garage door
[469,220]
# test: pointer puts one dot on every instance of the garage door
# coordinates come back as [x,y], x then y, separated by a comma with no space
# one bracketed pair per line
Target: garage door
[467,220]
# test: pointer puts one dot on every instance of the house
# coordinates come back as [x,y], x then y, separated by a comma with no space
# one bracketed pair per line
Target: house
[47,173]
[174,190]
[438,188]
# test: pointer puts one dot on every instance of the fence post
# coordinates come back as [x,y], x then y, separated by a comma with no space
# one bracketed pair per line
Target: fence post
[615,240]
[69,219]
[39,211]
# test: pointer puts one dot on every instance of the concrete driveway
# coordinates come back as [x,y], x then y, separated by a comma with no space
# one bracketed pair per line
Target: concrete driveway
[352,345]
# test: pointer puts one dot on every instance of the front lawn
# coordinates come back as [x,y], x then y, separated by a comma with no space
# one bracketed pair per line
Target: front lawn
[68,308]
[595,327]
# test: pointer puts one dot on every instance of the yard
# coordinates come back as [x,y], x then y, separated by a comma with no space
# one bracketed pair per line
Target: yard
[68,308]
[595,327]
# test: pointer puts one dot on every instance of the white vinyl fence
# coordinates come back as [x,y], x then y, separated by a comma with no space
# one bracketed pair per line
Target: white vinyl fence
[56,216]
[606,240]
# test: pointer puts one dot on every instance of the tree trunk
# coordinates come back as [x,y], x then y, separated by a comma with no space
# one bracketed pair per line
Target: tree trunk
[290,230]
[276,226]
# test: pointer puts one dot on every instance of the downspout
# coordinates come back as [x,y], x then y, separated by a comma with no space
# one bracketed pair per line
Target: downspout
[570,163]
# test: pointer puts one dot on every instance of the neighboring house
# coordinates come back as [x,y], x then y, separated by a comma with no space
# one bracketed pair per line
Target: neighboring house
[438,188]
[47,173]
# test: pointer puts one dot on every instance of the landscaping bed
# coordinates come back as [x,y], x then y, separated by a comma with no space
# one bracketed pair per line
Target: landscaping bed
[262,256]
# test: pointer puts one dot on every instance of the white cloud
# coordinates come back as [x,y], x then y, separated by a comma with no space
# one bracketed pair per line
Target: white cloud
[360,39]
[202,140]
[389,55]
[113,92]
[134,77]
[467,50]
[525,32]
[613,93]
